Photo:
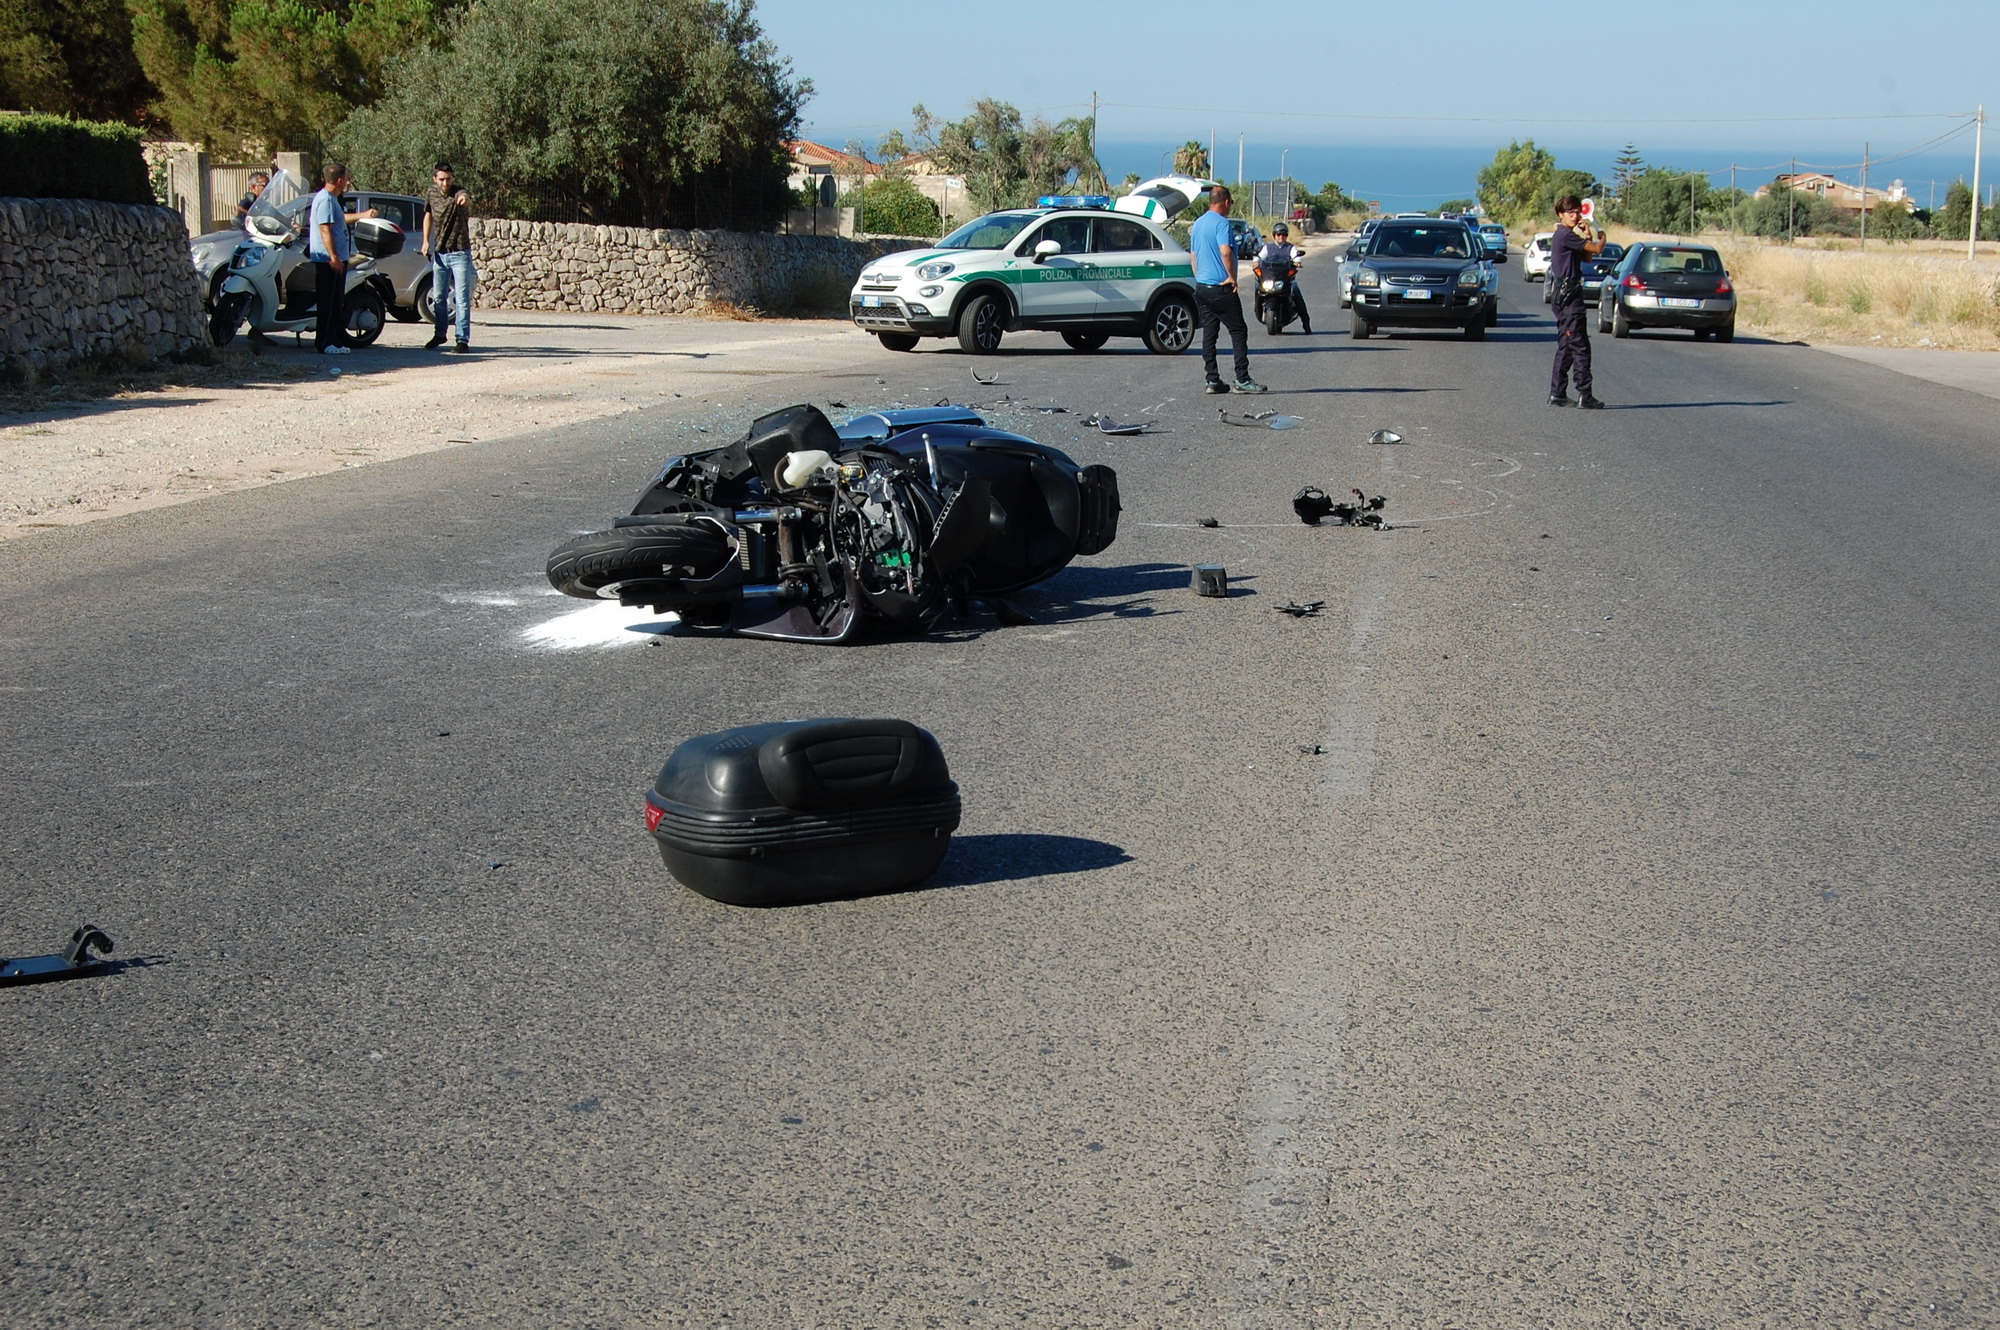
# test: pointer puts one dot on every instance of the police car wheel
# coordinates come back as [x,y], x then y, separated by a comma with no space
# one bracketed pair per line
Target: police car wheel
[980,325]
[1170,327]
[898,341]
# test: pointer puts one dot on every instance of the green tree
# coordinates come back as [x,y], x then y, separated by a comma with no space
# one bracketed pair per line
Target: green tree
[1893,221]
[1560,182]
[1005,162]
[1792,212]
[72,59]
[893,206]
[1954,220]
[1455,205]
[1667,201]
[631,112]
[1630,165]
[1512,182]
[1191,159]
[271,73]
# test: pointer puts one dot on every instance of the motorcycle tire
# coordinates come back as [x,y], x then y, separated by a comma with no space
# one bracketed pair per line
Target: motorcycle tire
[1171,325]
[227,318]
[1086,342]
[362,317]
[593,567]
[1274,322]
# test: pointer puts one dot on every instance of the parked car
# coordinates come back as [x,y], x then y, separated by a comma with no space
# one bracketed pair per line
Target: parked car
[1247,239]
[1495,237]
[1669,286]
[1343,267]
[1596,271]
[409,272]
[1423,274]
[1084,271]
[1535,257]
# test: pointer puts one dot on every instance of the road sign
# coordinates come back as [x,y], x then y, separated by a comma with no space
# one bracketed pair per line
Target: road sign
[1589,209]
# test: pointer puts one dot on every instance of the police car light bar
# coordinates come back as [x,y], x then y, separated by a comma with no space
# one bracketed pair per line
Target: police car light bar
[1073,201]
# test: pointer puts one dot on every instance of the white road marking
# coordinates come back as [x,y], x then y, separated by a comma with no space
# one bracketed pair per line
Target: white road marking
[605,624]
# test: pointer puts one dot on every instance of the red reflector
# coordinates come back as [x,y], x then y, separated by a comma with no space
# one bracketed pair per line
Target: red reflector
[653,815]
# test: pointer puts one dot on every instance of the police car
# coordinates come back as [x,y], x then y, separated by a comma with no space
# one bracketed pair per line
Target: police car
[1072,264]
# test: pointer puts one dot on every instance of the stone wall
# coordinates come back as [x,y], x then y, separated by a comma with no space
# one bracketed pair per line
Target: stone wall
[631,270]
[80,279]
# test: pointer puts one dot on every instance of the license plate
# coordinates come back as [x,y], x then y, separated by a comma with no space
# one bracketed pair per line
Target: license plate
[1679,302]
[871,302]
[1417,293]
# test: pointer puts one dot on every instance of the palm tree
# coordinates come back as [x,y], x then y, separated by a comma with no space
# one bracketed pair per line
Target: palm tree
[1191,159]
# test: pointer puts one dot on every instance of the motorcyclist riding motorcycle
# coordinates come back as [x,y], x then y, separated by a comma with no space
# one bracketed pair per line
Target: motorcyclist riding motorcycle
[1277,271]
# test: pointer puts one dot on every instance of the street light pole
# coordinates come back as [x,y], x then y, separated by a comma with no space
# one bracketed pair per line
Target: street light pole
[1978,146]
[1864,193]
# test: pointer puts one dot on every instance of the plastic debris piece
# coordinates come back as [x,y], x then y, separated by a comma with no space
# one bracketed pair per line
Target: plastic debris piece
[1210,579]
[1106,425]
[1385,436]
[1255,420]
[1210,522]
[1309,610]
[74,959]
[1049,410]
[986,380]
[1284,422]
[1312,504]
[1312,750]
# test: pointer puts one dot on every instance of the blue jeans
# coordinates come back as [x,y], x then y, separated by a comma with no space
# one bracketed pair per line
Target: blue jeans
[452,280]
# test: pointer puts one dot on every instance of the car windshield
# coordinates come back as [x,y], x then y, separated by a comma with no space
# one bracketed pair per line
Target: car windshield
[1419,242]
[992,231]
[1660,259]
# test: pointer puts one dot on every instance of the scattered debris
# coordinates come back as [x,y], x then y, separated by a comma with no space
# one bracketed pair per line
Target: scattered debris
[1385,436]
[1261,420]
[1210,522]
[841,405]
[73,960]
[1309,610]
[1282,421]
[1106,425]
[1048,410]
[984,380]
[1313,750]
[1210,579]
[1312,504]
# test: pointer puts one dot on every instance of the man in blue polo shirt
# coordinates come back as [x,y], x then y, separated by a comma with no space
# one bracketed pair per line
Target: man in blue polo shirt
[331,247]
[1215,294]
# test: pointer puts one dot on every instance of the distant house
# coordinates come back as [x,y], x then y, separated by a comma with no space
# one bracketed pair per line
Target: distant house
[1839,193]
[814,162]
[811,161]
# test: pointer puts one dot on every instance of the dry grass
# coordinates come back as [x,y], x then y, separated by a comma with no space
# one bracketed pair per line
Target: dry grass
[1886,296]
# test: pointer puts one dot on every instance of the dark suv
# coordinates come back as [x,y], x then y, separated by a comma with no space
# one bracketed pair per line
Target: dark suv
[1421,273]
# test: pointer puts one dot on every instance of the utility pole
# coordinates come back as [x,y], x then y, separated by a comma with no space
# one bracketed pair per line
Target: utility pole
[1791,198]
[1732,199]
[1864,193]
[1239,161]
[1978,145]
[1211,150]
[1093,143]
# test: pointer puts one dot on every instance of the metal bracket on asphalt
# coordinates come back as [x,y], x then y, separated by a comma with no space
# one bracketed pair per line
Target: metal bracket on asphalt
[73,960]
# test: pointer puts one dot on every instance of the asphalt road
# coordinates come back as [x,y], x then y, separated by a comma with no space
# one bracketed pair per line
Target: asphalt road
[1627,956]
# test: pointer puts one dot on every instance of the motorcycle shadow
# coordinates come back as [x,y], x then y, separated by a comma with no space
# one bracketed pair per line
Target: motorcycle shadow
[1083,592]
[977,860]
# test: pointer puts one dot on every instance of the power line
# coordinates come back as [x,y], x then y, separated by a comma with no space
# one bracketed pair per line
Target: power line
[1540,120]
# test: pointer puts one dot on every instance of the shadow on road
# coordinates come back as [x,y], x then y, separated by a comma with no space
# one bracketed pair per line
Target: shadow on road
[975,860]
[1683,406]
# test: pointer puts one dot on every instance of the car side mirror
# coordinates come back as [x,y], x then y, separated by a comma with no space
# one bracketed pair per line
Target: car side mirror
[1047,249]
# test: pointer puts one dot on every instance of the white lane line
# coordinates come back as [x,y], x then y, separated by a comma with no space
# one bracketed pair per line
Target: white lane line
[604,624]
[1289,1124]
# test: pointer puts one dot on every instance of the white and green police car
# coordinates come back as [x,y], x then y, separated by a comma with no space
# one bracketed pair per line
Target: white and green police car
[1072,265]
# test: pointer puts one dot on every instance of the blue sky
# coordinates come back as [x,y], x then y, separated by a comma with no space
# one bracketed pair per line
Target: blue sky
[1732,81]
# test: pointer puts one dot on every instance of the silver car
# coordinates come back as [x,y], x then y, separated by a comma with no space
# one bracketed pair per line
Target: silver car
[408,272]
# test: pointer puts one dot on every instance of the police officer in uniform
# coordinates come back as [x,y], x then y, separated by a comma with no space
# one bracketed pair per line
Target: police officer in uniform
[1574,241]
[1278,251]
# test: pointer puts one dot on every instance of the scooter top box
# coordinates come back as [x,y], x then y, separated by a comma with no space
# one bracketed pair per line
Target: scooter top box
[805,810]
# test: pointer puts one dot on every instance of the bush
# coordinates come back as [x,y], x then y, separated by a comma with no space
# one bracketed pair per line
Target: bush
[892,207]
[48,157]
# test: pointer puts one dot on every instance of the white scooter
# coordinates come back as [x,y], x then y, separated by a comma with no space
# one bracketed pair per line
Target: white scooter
[271,281]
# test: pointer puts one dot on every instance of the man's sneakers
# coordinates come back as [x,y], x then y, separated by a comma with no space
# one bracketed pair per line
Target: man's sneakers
[1216,387]
[1561,399]
[462,349]
[1591,404]
[436,341]
[1250,386]
[1588,403]
[336,351]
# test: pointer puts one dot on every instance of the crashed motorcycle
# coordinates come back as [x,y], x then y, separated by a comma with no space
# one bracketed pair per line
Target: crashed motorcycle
[802,532]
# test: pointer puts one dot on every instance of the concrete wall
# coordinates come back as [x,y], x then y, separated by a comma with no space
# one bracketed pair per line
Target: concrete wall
[631,270]
[80,278]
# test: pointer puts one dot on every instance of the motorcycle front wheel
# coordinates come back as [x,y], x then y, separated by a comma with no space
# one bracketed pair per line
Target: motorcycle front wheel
[227,317]
[365,316]
[595,566]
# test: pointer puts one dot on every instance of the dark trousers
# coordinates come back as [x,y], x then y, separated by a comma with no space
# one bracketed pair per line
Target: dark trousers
[329,296]
[1222,307]
[1572,349]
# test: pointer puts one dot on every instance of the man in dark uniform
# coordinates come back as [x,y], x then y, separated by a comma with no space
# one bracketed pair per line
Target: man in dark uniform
[1572,243]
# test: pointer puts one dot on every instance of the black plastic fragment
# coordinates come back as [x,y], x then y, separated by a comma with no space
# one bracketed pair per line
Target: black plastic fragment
[1210,522]
[74,959]
[1312,505]
[1210,579]
[1309,610]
